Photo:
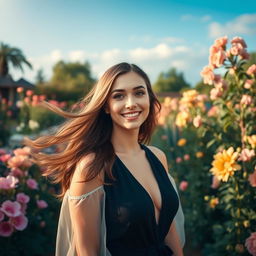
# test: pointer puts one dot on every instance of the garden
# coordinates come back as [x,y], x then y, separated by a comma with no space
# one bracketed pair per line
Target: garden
[208,135]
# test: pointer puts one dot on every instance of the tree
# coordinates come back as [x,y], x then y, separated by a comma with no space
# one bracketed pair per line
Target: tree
[40,78]
[11,55]
[69,81]
[170,81]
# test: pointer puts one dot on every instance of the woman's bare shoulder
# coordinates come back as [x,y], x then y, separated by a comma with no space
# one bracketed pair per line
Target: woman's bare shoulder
[160,155]
[77,186]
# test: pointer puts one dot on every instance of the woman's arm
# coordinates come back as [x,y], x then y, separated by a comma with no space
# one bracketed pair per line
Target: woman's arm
[85,213]
[173,241]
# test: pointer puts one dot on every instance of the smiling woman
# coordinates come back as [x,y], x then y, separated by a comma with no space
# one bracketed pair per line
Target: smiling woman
[118,198]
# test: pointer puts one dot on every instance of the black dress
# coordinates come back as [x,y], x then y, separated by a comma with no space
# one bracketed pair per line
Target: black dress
[130,215]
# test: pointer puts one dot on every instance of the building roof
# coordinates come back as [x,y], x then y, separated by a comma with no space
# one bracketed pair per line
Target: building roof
[8,82]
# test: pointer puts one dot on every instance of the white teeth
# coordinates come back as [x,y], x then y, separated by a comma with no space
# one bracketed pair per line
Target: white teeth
[131,115]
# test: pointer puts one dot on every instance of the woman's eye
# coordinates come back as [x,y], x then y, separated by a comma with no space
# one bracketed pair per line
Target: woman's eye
[117,96]
[140,93]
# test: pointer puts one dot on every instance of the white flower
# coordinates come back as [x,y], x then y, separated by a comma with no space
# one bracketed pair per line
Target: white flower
[19,104]
[33,125]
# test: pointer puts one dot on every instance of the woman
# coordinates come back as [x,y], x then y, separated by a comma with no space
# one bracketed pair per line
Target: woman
[118,198]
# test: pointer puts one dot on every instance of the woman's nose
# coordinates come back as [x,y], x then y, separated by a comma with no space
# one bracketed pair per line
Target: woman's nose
[130,101]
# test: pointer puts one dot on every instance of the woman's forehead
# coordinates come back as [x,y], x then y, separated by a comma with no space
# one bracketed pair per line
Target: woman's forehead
[128,81]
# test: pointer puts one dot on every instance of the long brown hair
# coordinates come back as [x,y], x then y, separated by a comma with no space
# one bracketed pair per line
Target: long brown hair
[89,131]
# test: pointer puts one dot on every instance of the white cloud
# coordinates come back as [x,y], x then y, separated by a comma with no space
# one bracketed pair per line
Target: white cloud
[56,55]
[242,25]
[78,55]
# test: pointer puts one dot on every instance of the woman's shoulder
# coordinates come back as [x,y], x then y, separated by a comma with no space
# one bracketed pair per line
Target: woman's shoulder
[77,185]
[160,155]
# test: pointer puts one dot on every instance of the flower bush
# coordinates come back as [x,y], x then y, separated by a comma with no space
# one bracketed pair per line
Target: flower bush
[27,210]
[210,141]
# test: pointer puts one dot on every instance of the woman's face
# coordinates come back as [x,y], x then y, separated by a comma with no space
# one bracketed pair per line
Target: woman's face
[128,103]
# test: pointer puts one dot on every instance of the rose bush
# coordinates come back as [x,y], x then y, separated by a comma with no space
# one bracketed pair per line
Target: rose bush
[28,213]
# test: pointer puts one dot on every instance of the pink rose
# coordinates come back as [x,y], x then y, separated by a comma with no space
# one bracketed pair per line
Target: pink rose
[16,172]
[246,155]
[20,222]
[29,92]
[41,204]
[213,111]
[178,160]
[215,93]
[197,121]
[22,198]
[221,42]
[9,182]
[32,184]
[252,179]
[217,56]
[183,185]
[246,99]
[248,84]
[25,151]
[208,75]
[250,244]
[5,158]
[186,157]
[19,89]
[1,215]
[16,161]
[6,229]
[239,40]
[215,182]
[11,209]
[2,151]
[251,70]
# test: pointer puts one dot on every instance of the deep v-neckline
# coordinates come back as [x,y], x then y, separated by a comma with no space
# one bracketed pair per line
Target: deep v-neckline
[144,189]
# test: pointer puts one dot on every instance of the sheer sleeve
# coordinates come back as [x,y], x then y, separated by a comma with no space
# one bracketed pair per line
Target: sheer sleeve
[82,225]
[179,217]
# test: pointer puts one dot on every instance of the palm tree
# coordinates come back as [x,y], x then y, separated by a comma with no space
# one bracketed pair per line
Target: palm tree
[11,55]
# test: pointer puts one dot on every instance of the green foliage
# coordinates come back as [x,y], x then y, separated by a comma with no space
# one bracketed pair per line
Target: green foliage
[170,81]
[69,81]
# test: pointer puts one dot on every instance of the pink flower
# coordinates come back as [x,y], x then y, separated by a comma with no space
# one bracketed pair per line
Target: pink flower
[215,93]
[16,161]
[208,75]
[213,111]
[41,204]
[20,222]
[244,54]
[9,182]
[1,215]
[16,172]
[2,151]
[197,121]
[246,99]
[217,56]
[183,185]
[252,179]
[215,182]
[239,40]
[250,244]
[22,198]
[178,160]
[11,209]
[29,93]
[42,224]
[221,42]
[5,158]
[220,83]
[27,100]
[236,49]
[32,184]
[25,151]
[251,70]
[6,229]
[19,89]
[42,97]
[248,84]
[246,155]
[186,157]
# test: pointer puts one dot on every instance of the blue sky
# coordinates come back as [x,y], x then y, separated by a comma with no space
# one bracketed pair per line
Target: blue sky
[156,35]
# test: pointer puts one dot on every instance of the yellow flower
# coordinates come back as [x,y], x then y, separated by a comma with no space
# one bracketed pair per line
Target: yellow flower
[246,223]
[252,140]
[199,154]
[213,202]
[181,119]
[181,142]
[225,164]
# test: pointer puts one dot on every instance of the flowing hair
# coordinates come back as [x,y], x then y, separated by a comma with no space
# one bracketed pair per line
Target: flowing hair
[89,131]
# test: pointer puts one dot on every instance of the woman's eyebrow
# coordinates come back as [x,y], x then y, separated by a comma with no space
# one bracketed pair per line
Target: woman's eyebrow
[122,90]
